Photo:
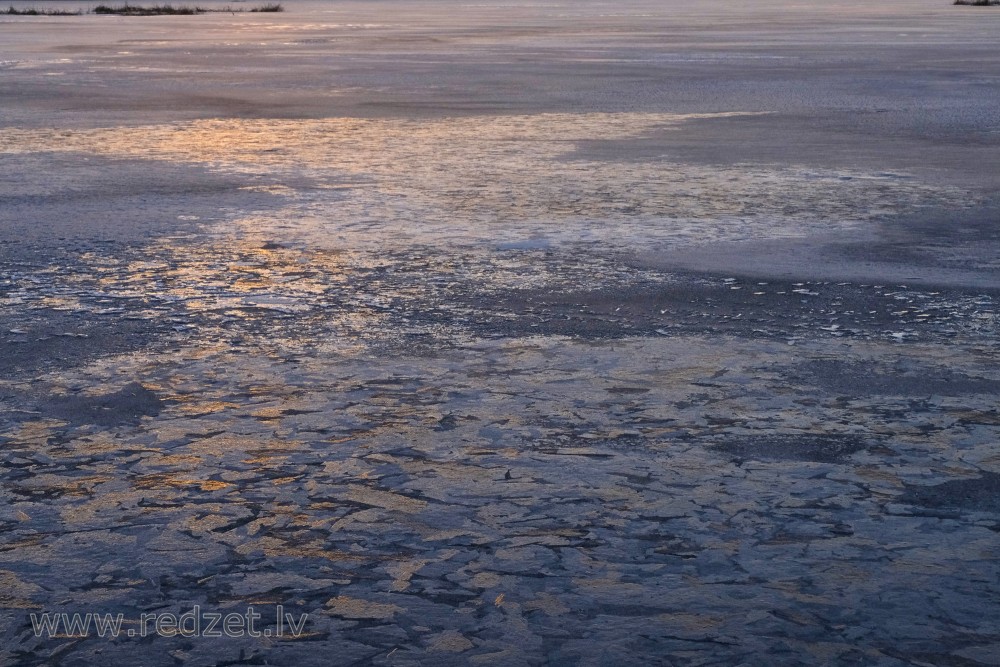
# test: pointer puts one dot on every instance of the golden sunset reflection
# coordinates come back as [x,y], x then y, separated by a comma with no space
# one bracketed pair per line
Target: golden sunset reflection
[455,180]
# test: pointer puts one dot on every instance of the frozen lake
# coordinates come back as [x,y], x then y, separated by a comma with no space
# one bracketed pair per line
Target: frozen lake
[503,333]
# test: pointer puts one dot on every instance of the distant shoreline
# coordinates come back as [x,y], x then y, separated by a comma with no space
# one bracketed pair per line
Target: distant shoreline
[142,10]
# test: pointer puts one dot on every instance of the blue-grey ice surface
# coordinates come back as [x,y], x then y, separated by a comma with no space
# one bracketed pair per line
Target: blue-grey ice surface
[504,333]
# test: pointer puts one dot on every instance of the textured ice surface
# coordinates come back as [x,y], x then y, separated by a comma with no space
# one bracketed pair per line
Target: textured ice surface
[374,310]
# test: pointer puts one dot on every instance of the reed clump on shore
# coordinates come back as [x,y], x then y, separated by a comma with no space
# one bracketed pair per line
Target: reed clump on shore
[151,10]
[31,11]
[140,10]
[180,10]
